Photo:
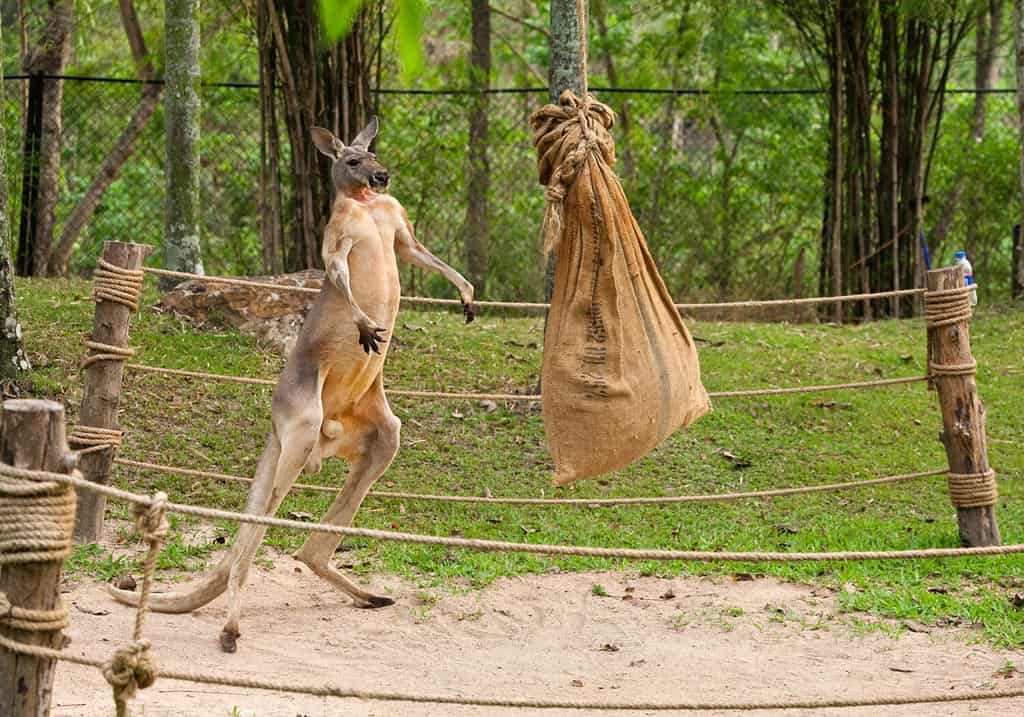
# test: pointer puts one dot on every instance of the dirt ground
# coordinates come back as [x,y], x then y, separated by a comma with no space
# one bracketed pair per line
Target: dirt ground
[544,636]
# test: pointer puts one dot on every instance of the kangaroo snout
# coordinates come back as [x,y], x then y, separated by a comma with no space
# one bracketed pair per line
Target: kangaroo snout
[379,180]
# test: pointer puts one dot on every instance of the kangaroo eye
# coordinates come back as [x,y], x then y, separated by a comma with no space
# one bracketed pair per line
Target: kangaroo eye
[354,162]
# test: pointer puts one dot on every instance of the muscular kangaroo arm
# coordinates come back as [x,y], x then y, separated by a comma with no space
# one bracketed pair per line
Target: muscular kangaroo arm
[336,248]
[410,250]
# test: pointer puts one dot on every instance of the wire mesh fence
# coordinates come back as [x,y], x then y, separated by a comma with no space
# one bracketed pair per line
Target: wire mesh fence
[683,159]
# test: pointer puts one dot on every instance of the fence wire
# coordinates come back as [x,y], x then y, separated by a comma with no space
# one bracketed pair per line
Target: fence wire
[728,212]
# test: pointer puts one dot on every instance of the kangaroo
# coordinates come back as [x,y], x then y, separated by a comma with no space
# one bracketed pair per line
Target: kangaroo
[330,398]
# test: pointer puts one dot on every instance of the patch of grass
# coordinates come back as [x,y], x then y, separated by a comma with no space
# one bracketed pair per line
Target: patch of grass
[462,447]
[598,590]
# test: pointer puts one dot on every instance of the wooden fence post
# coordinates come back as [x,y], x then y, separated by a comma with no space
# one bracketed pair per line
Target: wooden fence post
[102,391]
[952,371]
[32,436]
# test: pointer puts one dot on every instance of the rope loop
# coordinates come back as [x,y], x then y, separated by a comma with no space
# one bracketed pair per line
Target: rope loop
[117,284]
[106,352]
[94,438]
[973,490]
[32,620]
[131,668]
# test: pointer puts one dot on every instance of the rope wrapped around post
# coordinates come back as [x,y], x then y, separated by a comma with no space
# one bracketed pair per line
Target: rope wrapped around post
[946,308]
[36,520]
[117,291]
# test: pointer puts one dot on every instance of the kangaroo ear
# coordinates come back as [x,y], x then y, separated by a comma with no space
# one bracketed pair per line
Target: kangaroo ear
[326,142]
[363,139]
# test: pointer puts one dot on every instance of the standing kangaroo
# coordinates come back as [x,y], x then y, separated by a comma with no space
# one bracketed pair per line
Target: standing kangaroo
[330,398]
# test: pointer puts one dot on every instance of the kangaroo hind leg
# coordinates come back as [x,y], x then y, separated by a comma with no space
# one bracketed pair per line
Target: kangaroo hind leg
[369,443]
[296,418]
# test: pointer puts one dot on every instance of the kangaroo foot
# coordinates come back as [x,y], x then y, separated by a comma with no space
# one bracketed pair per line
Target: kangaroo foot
[372,602]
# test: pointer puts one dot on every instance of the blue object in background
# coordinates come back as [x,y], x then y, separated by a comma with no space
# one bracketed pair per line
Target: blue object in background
[924,250]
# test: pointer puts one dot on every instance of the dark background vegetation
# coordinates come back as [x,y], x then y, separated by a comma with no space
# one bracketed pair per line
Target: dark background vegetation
[731,187]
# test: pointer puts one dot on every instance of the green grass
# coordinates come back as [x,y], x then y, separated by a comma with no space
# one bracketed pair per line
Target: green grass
[460,447]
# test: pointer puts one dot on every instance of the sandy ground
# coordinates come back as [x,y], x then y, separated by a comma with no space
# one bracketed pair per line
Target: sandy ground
[539,636]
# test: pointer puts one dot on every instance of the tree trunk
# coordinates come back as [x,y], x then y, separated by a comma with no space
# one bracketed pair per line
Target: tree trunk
[49,56]
[12,359]
[477,208]
[328,87]
[181,75]
[123,148]
[889,178]
[564,49]
[837,165]
[1018,244]
[623,145]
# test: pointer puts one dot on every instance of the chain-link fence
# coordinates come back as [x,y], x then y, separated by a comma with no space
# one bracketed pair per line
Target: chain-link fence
[711,180]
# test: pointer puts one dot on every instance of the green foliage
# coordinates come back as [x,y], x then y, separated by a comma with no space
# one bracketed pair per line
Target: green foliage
[338,16]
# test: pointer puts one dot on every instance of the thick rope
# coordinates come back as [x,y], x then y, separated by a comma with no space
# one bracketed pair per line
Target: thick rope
[973,490]
[133,667]
[947,307]
[36,519]
[117,284]
[106,352]
[32,620]
[534,397]
[538,305]
[93,438]
[530,548]
[581,502]
[320,689]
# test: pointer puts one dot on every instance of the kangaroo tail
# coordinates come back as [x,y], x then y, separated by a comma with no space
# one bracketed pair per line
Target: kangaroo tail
[210,588]
[216,582]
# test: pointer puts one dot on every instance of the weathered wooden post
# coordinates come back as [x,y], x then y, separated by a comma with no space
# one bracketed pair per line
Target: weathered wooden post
[116,291]
[952,368]
[35,537]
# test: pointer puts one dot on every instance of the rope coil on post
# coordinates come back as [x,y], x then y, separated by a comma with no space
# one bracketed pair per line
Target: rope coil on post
[20,618]
[36,519]
[95,439]
[117,284]
[973,490]
[946,308]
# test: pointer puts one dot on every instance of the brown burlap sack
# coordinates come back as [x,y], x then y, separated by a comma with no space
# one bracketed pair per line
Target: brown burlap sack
[620,371]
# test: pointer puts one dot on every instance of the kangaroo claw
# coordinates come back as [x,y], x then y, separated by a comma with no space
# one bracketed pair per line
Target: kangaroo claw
[371,338]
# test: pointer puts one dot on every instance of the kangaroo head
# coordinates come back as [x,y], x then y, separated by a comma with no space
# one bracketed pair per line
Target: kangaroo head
[353,167]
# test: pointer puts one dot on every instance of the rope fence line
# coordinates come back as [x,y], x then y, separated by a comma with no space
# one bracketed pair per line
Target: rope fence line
[583,502]
[142,368]
[327,690]
[512,547]
[234,281]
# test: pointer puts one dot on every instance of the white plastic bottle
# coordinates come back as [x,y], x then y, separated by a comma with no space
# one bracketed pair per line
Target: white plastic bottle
[961,260]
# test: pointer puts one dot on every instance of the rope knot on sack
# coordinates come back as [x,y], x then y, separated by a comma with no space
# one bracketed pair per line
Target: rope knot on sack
[131,668]
[566,136]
